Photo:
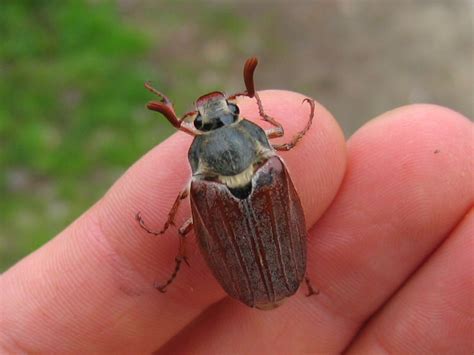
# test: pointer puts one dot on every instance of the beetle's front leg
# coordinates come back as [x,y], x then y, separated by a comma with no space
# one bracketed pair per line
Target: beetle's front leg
[183,231]
[277,130]
[297,137]
[171,215]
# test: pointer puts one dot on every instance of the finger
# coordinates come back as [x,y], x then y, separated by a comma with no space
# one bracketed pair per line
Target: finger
[433,312]
[398,201]
[93,283]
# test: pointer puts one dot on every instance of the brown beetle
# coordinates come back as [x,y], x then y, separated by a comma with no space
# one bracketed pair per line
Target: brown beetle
[246,212]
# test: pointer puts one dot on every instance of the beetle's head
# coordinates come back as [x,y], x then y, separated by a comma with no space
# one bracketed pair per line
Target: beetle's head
[214,111]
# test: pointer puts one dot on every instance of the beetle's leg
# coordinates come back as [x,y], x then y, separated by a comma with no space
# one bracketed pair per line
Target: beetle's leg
[311,290]
[297,137]
[249,69]
[171,215]
[277,130]
[165,107]
[183,231]
[274,132]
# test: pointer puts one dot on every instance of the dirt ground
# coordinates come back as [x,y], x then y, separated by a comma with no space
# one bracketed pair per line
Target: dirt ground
[358,58]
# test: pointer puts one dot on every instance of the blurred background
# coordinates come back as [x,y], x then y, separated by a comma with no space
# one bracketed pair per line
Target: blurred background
[72,115]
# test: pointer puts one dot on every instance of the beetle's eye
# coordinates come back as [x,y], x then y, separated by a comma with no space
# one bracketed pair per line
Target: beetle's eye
[198,122]
[234,109]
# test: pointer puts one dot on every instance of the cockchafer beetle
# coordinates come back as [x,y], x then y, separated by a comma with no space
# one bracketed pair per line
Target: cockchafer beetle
[246,213]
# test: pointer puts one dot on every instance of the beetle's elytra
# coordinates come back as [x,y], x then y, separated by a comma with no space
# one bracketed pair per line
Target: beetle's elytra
[246,213]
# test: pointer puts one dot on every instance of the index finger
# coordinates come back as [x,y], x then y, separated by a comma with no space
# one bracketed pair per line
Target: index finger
[93,283]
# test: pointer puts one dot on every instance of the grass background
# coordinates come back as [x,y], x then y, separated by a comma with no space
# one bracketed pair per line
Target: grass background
[72,116]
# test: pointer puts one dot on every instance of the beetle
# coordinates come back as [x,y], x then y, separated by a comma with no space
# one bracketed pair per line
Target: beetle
[246,213]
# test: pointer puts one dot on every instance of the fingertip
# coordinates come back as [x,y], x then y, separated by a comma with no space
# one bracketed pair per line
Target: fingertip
[415,139]
[419,118]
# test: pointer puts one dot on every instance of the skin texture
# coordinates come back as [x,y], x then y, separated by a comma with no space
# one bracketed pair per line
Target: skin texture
[391,225]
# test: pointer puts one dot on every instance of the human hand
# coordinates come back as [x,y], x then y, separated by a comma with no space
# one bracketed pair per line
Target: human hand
[390,250]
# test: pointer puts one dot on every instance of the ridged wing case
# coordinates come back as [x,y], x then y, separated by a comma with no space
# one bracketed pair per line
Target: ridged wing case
[256,247]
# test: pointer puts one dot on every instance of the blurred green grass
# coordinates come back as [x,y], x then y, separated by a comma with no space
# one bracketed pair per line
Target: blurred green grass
[72,114]
[70,92]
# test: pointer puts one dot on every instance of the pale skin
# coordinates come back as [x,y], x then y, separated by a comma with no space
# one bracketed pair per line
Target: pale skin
[391,225]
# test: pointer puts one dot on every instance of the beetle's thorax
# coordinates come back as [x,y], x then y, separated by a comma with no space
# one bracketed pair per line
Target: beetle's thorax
[230,154]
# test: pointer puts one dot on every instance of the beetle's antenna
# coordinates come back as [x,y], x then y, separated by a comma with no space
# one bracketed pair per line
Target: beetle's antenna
[162,97]
[165,107]
[166,111]
[249,69]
